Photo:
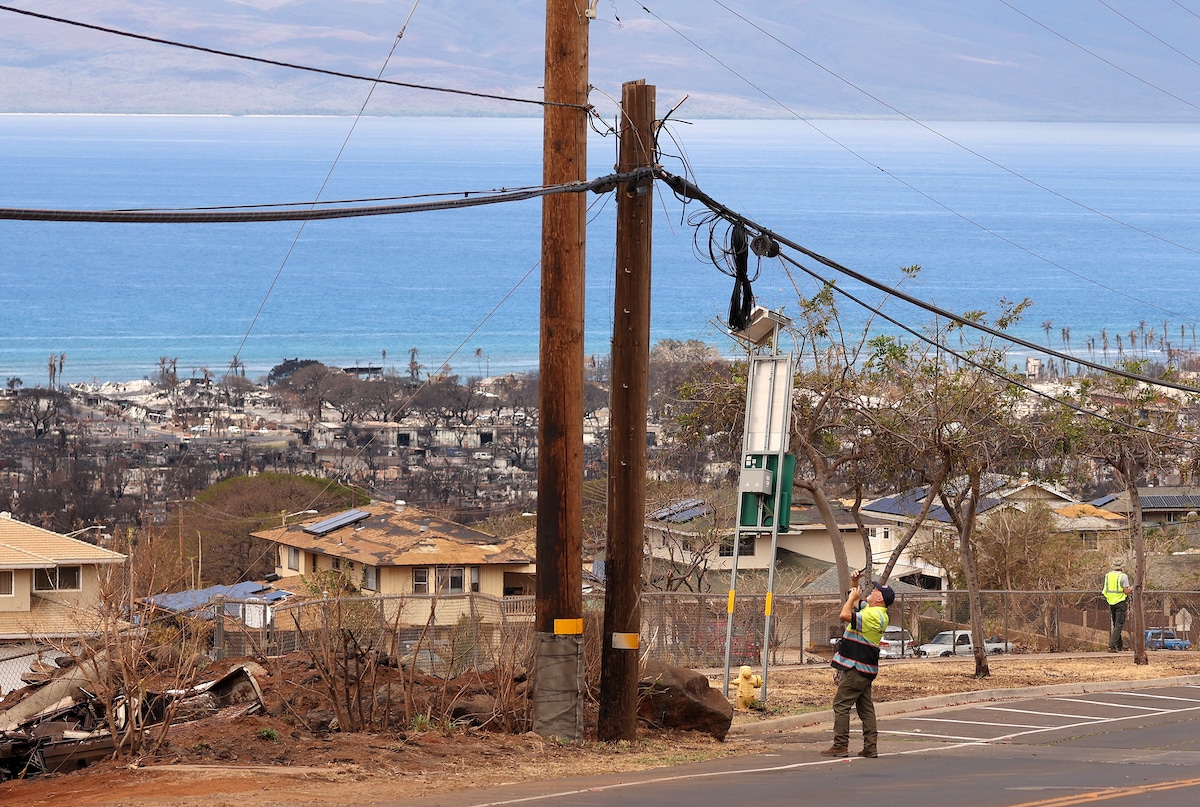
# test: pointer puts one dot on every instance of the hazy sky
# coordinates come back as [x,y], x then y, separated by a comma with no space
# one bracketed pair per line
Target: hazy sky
[932,59]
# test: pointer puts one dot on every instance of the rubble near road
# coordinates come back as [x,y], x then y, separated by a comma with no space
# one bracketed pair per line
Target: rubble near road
[282,712]
[61,725]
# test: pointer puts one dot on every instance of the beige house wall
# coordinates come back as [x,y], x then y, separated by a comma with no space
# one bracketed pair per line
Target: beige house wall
[811,543]
[393,580]
[22,584]
[85,598]
[816,544]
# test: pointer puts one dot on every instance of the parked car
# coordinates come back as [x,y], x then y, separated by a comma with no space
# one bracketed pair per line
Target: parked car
[1165,639]
[958,643]
[896,642]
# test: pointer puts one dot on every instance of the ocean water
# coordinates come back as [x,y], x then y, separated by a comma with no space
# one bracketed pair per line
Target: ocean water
[1098,224]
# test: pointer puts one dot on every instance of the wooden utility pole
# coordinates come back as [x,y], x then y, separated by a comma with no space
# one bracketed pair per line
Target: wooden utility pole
[627,440]
[557,708]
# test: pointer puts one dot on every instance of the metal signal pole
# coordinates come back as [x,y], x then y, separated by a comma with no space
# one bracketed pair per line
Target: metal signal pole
[627,441]
[558,662]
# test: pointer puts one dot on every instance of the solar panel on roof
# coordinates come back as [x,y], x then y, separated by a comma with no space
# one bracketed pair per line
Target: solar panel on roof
[675,508]
[337,521]
[689,514]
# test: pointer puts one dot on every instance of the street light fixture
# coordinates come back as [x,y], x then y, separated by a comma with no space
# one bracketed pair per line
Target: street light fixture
[284,515]
[99,538]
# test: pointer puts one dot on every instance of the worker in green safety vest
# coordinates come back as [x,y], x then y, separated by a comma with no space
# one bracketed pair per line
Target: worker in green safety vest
[1117,591]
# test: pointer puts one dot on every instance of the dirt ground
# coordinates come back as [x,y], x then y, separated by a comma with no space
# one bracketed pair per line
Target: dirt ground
[265,760]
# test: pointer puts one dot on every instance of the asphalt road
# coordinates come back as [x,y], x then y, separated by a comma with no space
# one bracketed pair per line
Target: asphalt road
[1129,747]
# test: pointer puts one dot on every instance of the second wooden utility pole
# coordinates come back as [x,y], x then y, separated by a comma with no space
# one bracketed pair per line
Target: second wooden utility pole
[558,662]
[627,441]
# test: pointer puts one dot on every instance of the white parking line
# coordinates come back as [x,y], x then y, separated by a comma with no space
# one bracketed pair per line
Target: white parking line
[1084,723]
[1113,705]
[1047,714]
[1157,697]
[964,742]
[932,736]
[973,722]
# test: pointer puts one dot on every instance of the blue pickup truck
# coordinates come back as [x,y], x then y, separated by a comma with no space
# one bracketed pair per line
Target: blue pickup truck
[1165,639]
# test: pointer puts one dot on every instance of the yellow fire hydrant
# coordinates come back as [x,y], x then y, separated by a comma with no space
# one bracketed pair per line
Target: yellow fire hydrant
[747,688]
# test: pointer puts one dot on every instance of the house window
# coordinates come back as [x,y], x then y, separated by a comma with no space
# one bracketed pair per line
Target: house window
[62,578]
[450,579]
[420,580]
[337,564]
[745,547]
[475,579]
[349,565]
[293,558]
[371,578]
[315,567]
[6,584]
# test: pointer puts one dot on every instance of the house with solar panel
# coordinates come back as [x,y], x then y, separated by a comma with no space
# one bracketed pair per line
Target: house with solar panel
[399,551]
[894,514]
[50,589]
[695,536]
[1161,506]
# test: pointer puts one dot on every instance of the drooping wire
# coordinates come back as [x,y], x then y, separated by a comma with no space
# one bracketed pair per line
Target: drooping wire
[295,211]
[891,175]
[686,191]
[596,207]
[1185,8]
[967,149]
[1148,33]
[1098,57]
[276,63]
[332,166]
[967,359]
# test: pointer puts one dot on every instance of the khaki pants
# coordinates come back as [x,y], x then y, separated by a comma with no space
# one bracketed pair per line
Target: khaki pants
[1117,612]
[854,691]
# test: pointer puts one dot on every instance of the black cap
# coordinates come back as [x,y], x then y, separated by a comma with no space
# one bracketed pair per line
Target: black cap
[889,596]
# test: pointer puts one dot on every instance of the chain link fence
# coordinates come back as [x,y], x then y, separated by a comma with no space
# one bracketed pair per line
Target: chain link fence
[451,634]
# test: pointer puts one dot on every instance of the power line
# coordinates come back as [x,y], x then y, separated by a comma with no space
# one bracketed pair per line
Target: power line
[1185,8]
[1098,57]
[602,184]
[316,197]
[277,63]
[948,139]
[968,149]
[966,359]
[445,363]
[688,190]
[1148,33]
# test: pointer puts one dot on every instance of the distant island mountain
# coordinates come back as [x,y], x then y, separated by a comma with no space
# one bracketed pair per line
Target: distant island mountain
[1122,60]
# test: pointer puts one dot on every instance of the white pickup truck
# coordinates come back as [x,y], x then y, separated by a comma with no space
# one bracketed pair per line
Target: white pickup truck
[958,643]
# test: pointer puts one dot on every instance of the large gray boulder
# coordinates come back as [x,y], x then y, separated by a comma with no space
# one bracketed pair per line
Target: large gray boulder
[678,698]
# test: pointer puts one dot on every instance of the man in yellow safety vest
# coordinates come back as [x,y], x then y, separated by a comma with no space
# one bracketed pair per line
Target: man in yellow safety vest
[1117,591]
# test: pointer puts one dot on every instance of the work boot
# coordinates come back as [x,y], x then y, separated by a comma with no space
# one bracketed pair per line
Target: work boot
[836,751]
[869,753]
